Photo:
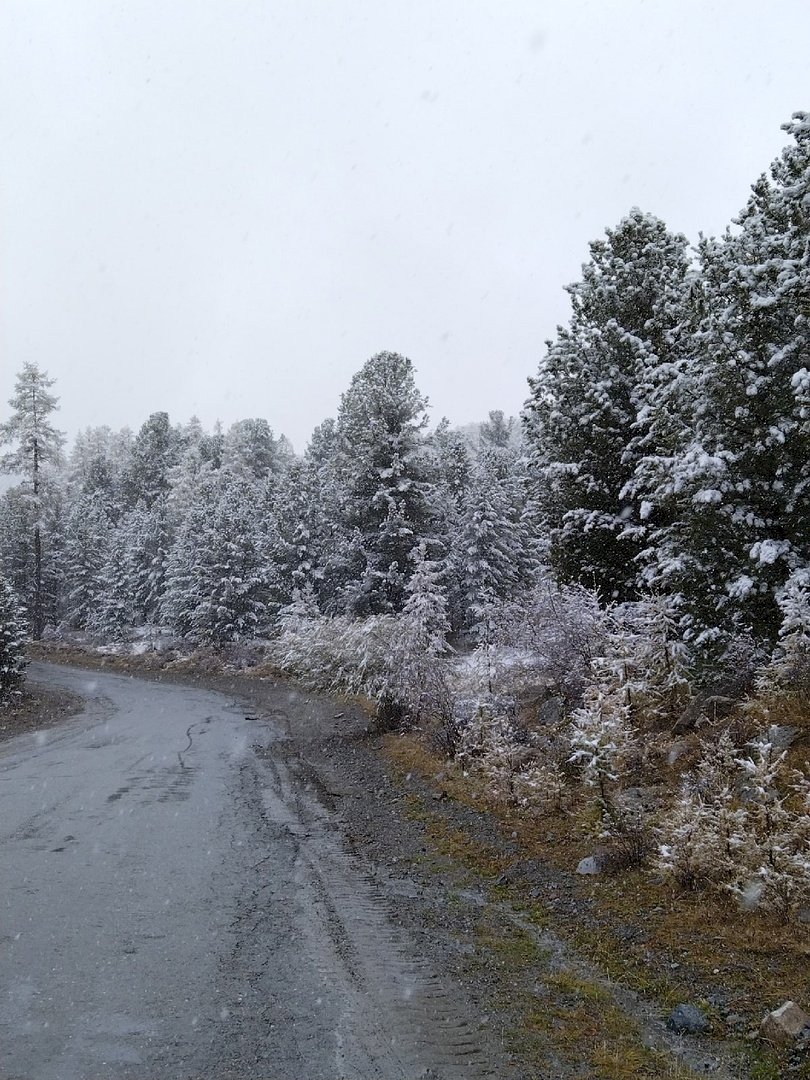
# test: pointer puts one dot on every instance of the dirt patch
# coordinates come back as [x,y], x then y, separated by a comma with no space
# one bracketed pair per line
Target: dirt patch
[36,708]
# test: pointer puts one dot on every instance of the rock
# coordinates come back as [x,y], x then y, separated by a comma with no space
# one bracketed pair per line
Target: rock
[785,1025]
[715,707]
[782,736]
[677,750]
[551,711]
[750,895]
[688,1020]
[589,865]
[593,864]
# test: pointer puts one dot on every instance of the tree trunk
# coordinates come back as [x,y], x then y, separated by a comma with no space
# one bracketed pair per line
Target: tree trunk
[38,620]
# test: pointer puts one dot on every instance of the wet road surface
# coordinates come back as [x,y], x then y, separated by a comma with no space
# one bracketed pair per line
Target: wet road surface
[175,903]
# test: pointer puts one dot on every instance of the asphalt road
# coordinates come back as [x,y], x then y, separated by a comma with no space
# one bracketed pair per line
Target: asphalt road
[175,903]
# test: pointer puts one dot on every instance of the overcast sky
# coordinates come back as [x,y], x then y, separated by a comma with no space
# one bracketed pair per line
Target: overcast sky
[224,207]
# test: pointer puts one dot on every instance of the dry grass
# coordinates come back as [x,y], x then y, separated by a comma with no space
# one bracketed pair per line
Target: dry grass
[683,946]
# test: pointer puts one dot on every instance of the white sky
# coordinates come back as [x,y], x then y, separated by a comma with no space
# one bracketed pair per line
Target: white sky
[224,207]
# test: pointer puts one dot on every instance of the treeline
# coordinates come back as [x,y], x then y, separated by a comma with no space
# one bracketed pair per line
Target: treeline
[212,534]
[663,452]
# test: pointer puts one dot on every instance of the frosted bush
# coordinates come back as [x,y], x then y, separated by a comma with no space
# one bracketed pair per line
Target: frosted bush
[508,763]
[652,660]
[777,828]
[789,668]
[704,832]
[548,638]
[603,740]
[742,825]
[395,660]
[605,748]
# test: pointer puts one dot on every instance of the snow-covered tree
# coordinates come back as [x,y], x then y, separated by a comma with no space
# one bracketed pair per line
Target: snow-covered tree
[13,638]
[251,451]
[218,587]
[741,474]
[420,685]
[653,661]
[590,390]
[605,747]
[789,668]
[36,443]
[453,464]
[96,465]
[87,546]
[602,737]
[114,612]
[491,550]
[155,451]
[383,475]
[16,549]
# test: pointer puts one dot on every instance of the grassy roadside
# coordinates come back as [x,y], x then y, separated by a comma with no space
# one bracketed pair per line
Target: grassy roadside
[645,947]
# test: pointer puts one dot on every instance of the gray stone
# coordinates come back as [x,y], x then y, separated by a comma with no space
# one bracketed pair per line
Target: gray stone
[712,708]
[785,1025]
[551,711]
[593,864]
[688,1020]
[677,750]
[782,736]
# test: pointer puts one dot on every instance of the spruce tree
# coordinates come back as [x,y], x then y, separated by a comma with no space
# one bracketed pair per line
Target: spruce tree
[491,551]
[386,506]
[13,638]
[156,450]
[742,473]
[87,547]
[218,586]
[588,396]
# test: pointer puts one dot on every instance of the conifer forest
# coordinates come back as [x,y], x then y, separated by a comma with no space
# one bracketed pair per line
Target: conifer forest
[553,600]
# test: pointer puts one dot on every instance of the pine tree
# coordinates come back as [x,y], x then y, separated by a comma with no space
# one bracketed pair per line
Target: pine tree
[742,476]
[384,479]
[155,452]
[491,551]
[87,545]
[96,465]
[37,443]
[291,522]
[16,549]
[13,638]
[146,535]
[251,451]
[218,587]
[114,612]
[588,394]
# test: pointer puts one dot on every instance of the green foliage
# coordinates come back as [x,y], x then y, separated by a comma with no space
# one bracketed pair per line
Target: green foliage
[13,638]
